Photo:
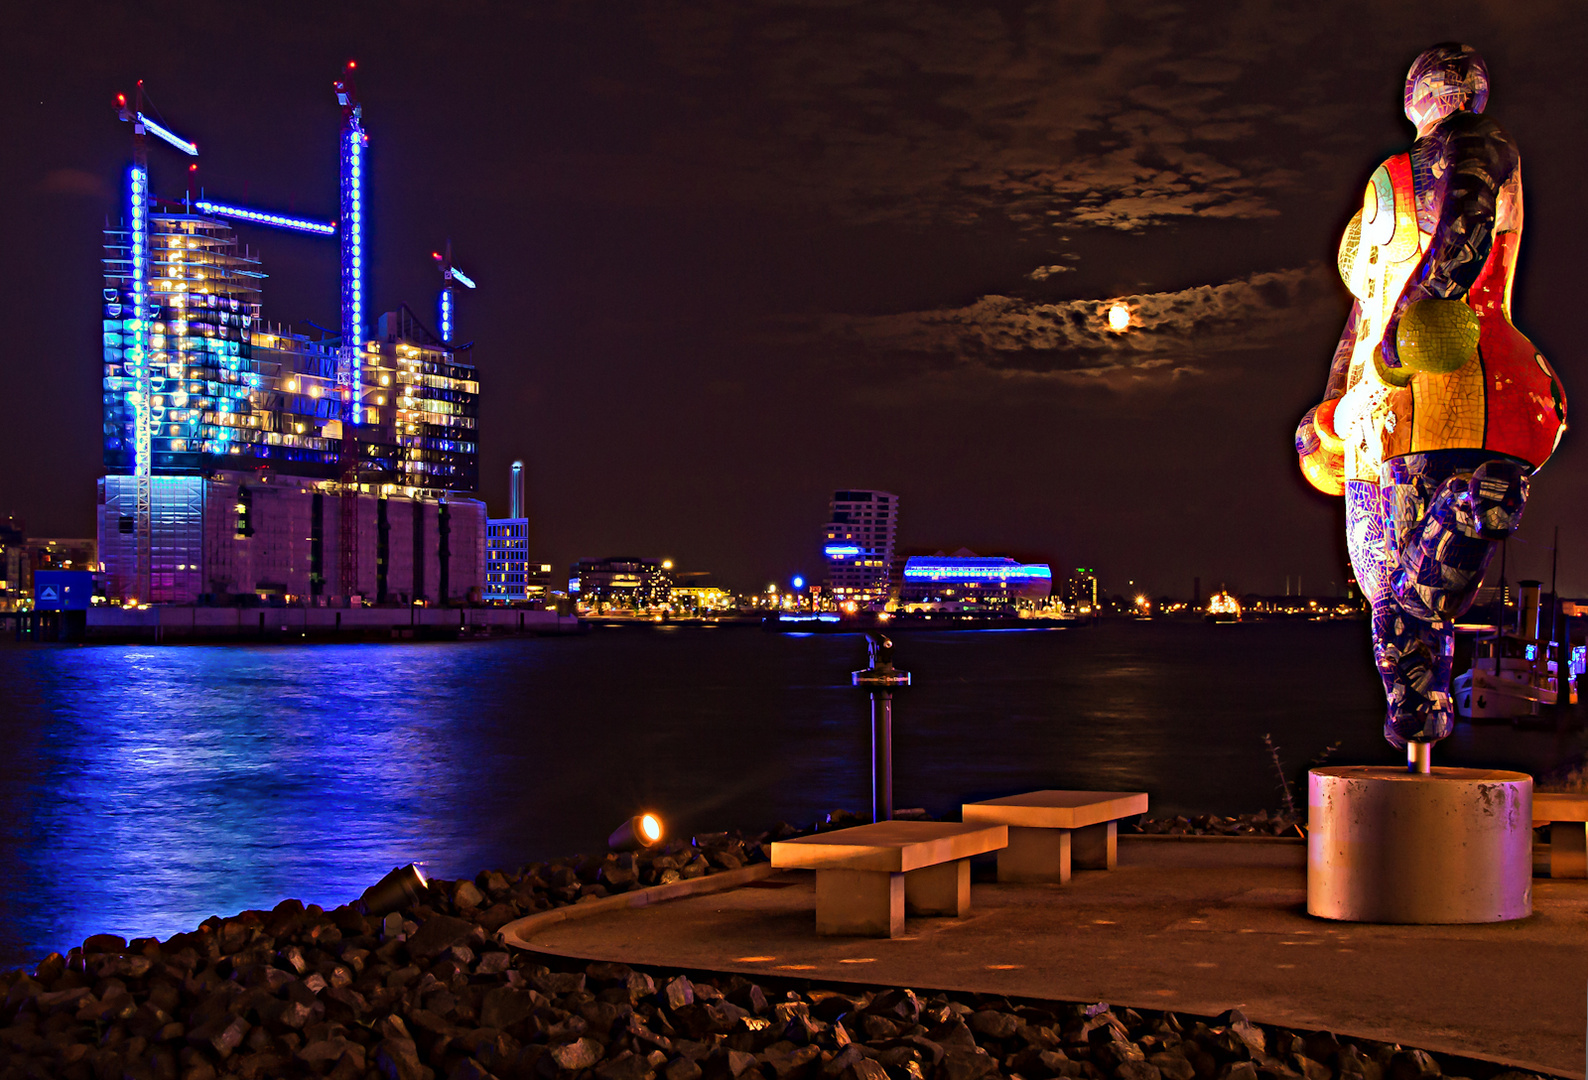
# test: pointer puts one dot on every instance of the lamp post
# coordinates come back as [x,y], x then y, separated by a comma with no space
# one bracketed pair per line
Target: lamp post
[880,679]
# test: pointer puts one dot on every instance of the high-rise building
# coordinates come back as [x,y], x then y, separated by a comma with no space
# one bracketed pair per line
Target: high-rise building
[510,578]
[857,545]
[243,458]
[1080,590]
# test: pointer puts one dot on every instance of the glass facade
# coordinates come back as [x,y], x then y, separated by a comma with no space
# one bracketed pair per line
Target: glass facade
[224,390]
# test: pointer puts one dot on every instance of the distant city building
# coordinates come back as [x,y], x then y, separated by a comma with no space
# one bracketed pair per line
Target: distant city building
[703,599]
[858,544]
[510,577]
[968,578]
[1080,590]
[59,553]
[16,575]
[621,582]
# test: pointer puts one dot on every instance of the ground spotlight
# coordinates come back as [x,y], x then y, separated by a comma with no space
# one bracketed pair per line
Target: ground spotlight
[395,891]
[640,831]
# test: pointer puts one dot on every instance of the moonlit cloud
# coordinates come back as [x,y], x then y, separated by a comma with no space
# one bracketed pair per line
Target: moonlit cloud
[1204,330]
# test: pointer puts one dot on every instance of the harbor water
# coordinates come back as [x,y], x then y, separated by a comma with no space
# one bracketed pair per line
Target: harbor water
[143,789]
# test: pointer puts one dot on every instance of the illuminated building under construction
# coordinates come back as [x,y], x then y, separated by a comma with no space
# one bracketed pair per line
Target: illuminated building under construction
[244,460]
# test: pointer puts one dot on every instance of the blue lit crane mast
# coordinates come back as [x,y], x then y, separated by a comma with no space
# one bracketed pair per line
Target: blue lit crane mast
[137,361]
[449,275]
[349,373]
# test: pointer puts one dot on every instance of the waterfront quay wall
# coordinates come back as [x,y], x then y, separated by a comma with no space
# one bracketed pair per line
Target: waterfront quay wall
[172,623]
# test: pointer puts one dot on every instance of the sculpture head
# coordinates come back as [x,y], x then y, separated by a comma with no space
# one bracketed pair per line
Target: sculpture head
[1445,79]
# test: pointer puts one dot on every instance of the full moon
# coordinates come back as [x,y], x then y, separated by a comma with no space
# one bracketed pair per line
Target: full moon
[1119,318]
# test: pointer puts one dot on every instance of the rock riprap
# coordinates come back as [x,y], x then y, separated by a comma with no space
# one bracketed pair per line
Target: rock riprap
[430,992]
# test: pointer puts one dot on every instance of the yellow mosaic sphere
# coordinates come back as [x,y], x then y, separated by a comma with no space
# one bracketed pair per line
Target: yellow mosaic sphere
[1437,336]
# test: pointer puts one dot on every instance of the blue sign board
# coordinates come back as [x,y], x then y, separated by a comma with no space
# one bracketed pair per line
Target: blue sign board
[62,590]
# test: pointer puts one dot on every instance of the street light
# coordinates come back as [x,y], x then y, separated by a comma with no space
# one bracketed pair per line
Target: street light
[640,831]
[397,890]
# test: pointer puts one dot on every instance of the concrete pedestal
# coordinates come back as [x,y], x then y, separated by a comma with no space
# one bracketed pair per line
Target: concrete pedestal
[865,903]
[1389,846]
[1036,855]
[1096,847]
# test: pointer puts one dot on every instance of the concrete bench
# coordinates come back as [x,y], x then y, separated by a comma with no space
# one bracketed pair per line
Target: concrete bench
[869,876]
[1567,818]
[1050,831]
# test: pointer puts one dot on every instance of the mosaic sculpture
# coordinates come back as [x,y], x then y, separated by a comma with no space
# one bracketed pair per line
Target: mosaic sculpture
[1437,410]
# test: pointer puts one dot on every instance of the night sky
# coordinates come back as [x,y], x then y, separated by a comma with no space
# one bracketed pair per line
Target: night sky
[735,255]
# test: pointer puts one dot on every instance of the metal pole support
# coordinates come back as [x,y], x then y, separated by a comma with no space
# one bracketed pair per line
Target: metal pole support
[880,679]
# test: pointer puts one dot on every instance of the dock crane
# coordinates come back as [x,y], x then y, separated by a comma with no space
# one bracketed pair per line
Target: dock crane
[449,275]
[136,336]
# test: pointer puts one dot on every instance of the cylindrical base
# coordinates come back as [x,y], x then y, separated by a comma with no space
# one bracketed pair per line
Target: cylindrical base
[1389,846]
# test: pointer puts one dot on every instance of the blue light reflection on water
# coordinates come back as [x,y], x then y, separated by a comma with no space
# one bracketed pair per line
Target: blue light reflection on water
[145,789]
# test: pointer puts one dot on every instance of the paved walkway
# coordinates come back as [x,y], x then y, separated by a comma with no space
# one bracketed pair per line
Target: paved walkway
[1195,926]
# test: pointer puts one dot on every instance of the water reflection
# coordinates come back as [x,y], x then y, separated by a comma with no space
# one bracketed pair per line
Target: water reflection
[145,789]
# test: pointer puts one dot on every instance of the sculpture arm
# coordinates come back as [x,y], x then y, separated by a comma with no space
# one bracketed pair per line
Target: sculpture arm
[1340,366]
[1478,158]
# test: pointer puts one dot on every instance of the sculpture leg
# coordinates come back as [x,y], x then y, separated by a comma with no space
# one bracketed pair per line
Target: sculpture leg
[1447,511]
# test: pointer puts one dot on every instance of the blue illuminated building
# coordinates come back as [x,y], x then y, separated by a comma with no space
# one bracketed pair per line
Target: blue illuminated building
[510,576]
[967,578]
[858,542]
[242,458]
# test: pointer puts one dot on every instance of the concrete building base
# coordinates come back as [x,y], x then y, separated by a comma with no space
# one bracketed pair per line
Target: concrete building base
[1390,846]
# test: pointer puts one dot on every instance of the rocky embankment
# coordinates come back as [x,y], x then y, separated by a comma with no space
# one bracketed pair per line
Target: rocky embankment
[429,992]
[1259,824]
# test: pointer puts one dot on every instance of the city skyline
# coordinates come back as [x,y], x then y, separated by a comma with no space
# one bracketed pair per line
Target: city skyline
[732,261]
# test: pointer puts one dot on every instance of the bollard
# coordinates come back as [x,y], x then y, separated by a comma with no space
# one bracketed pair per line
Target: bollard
[879,680]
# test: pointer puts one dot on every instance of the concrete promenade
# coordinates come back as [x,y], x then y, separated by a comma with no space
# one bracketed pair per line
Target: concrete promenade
[1196,926]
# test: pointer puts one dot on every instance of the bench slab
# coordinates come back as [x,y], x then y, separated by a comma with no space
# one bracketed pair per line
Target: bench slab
[891,846]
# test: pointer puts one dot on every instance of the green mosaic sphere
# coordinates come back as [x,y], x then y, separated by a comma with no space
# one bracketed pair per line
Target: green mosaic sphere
[1437,336]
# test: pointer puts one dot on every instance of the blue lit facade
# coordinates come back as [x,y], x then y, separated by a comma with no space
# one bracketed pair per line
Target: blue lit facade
[858,545]
[510,577]
[974,579]
[225,437]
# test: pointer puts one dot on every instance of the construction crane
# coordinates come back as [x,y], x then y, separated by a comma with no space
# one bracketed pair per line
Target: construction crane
[349,376]
[449,274]
[137,362]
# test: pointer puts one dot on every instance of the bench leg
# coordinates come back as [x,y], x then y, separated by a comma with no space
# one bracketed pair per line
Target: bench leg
[1568,849]
[1096,847]
[943,889]
[1035,855]
[859,903]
